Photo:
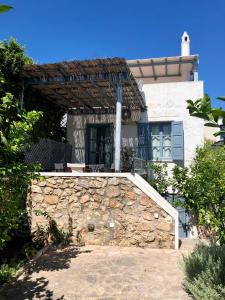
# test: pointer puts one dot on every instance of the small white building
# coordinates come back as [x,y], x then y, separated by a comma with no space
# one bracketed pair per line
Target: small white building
[115,103]
[164,131]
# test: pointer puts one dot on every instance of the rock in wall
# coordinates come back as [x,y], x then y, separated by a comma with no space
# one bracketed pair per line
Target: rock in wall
[101,211]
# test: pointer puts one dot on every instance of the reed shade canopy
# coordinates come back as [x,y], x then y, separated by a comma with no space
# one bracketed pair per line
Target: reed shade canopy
[86,86]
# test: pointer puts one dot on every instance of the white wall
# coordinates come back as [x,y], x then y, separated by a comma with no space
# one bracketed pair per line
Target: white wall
[76,127]
[167,102]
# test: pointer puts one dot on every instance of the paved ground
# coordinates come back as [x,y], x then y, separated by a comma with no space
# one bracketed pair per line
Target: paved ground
[107,273]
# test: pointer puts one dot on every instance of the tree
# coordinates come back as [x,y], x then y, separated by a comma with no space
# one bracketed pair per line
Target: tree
[202,186]
[15,127]
[201,108]
[12,61]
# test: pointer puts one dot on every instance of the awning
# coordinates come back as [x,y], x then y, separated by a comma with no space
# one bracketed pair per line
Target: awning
[153,68]
[84,86]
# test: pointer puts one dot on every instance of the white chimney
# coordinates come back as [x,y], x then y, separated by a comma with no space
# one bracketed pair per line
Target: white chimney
[185,44]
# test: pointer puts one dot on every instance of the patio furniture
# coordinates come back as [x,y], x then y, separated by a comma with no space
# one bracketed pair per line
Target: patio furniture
[96,168]
[75,167]
[59,167]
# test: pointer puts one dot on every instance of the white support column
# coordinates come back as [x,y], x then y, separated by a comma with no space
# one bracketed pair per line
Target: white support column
[118,125]
[195,71]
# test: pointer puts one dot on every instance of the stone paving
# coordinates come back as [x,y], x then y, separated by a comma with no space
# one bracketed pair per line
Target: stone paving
[102,273]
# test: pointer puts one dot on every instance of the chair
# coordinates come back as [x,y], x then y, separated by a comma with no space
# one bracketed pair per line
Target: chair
[96,168]
[59,167]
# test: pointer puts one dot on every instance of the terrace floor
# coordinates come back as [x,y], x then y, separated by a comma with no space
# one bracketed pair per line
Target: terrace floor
[102,272]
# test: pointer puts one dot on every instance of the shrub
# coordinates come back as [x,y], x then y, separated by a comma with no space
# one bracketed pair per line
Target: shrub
[205,272]
[51,233]
[8,271]
[159,179]
[15,127]
[202,187]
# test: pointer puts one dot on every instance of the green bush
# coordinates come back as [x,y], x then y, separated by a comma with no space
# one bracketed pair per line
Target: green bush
[160,179]
[202,187]
[205,272]
[16,126]
[8,271]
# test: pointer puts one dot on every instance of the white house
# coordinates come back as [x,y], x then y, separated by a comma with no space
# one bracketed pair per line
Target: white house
[116,103]
[164,131]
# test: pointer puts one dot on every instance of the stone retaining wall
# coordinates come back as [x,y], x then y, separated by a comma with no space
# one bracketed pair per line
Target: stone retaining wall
[102,211]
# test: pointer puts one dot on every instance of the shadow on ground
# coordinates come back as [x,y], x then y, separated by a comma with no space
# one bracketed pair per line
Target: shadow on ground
[26,287]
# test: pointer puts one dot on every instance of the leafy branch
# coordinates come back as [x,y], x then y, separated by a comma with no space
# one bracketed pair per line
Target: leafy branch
[202,109]
[4,8]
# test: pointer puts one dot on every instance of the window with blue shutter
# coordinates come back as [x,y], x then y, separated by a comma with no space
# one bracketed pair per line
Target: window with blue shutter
[161,147]
[177,140]
[161,141]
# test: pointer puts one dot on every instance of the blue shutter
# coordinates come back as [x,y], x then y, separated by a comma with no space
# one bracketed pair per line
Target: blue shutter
[177,140]
[144,141]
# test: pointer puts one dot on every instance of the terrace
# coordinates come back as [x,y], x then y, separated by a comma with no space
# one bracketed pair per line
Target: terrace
[94,88]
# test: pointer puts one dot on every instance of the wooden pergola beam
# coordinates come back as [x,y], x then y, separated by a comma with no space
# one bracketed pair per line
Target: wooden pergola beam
[94,80]
[153,69]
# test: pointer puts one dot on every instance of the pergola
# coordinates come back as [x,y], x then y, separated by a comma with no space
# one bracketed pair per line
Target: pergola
[97,86]
[154,68]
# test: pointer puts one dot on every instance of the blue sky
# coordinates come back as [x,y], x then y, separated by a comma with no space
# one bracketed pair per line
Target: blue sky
[54,30]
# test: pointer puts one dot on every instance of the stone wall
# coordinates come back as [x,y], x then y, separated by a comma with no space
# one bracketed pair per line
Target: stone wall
[102,211]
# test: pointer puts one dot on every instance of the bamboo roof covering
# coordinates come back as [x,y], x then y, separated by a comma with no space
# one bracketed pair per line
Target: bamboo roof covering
[84,85]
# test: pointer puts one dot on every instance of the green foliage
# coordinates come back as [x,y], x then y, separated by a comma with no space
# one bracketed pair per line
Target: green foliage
[5,8]
[8,271]
[12,61]
[202,186]
[159,179]
[201,108]
[15,128]
[51,233]
[127,158]
[205,272]
[49,126]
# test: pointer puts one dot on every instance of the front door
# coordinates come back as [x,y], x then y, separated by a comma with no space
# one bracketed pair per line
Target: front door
[99,144]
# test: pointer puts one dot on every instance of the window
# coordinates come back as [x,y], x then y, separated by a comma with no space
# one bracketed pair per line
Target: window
[163,141]
[160,141]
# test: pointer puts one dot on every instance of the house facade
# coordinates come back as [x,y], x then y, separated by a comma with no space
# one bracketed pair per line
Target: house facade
[163,130]
[114,105]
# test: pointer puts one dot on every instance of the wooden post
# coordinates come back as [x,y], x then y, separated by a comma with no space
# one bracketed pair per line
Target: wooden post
[118,125]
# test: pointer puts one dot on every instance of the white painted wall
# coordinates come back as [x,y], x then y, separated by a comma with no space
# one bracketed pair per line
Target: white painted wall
[76,127]
[165,102]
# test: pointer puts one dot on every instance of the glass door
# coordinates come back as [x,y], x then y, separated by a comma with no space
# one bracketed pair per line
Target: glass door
[99,144]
